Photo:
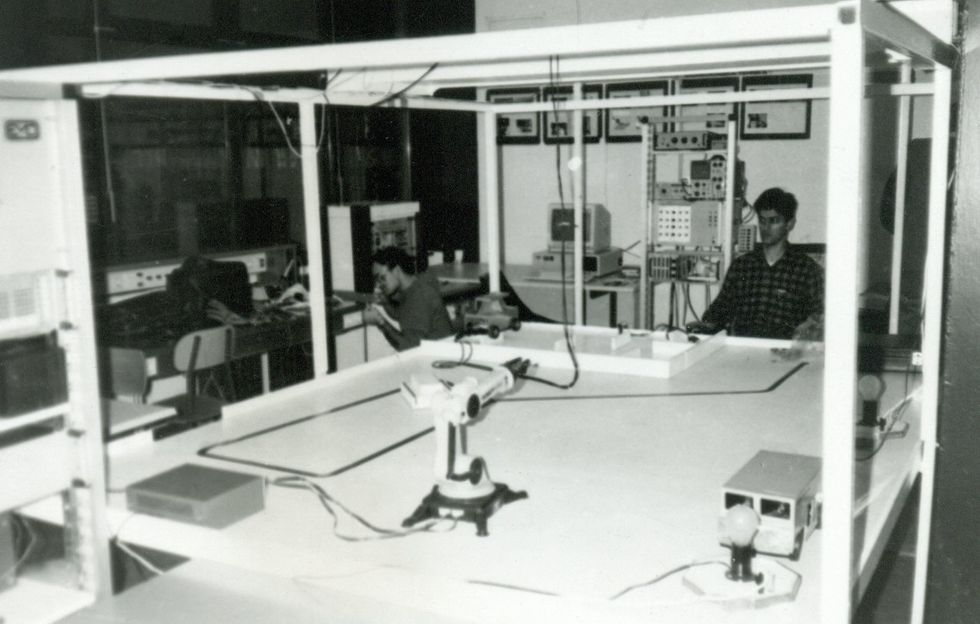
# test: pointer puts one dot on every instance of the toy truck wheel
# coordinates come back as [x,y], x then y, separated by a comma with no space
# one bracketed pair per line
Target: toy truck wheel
[493,331]
[515,324]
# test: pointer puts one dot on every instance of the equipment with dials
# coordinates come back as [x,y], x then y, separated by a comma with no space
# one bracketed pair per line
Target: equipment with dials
[694,266]
[594,264]
[783,489]
[266,266]
[689,140]
[463,489]
[706,180]
[693,224]
[358,230]
[745,241]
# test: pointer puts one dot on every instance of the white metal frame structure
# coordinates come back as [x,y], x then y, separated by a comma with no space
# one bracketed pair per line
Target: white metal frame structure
[56,450]
[845,37]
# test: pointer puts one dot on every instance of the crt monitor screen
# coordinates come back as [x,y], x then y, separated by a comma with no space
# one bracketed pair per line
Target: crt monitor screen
[595,227]
[562,220]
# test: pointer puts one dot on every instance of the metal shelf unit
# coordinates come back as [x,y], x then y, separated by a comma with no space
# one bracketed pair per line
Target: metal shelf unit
[55,451]
[649,177]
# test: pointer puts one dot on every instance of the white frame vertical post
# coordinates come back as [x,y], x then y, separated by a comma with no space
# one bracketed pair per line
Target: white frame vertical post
[578,203]
[491,196]
[844,201]
[647,172]
[728,218]
[898,226]
[313,228]
[932,330]
[93,539]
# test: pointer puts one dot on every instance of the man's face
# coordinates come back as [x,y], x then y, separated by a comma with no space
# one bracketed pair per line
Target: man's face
[385,279]
[773,228]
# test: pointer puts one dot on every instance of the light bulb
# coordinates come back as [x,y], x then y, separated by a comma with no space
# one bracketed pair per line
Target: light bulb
[574,163]
[871,387]
[741,522]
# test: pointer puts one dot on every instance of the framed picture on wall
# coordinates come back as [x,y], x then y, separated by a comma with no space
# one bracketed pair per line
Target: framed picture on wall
[558,124]
[776,120]
[516,128]
[711,117]
[623,124]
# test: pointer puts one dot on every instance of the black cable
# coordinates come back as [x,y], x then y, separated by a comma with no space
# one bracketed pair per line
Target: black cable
[554,78]
[886,434]
[690,306]
[400,92]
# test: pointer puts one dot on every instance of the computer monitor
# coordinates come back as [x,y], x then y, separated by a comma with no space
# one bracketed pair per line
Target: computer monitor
[596,223]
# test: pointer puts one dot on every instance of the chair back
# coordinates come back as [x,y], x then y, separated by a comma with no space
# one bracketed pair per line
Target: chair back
[204,348]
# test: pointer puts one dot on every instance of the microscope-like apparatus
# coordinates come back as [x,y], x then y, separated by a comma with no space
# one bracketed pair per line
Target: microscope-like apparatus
[463,489]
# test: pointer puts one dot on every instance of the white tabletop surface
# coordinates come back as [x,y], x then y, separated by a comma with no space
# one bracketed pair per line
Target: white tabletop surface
[622,473]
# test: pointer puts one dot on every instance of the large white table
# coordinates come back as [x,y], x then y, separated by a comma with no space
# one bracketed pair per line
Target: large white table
[623,476]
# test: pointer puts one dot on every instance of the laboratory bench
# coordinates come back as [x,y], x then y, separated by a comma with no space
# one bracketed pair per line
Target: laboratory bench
[611,299]
[623,476]
[133,361]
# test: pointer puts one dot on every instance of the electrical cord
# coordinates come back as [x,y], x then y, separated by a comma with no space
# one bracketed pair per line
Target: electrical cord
[690,306]
[554,78]
[465,361]
[328,502]
[892,431]
[665,575]
[402,91]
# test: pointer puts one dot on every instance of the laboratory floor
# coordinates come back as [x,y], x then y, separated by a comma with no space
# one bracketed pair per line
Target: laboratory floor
[888,599]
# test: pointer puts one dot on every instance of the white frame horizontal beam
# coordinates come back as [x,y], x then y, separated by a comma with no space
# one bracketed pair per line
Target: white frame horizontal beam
[770,28]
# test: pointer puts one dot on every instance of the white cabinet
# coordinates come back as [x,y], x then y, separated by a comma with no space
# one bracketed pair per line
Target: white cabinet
[53,448]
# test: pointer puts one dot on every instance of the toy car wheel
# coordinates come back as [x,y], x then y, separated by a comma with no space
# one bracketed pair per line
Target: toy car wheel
[515,324]
[797,547]
[493,331]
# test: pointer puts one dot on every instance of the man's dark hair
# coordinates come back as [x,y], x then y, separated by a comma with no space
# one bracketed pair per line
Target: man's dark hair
[775,198]
[392,257]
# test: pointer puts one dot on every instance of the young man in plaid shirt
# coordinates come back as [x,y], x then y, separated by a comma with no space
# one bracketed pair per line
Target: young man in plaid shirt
[774,291]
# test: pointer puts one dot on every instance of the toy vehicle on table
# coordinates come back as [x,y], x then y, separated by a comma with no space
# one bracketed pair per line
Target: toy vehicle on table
[489,313]
[783,488]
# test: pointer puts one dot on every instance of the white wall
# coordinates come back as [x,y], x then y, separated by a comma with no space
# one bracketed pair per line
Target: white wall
[529,182]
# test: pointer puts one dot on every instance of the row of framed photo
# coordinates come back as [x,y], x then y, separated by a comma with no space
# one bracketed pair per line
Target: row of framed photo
[757,120]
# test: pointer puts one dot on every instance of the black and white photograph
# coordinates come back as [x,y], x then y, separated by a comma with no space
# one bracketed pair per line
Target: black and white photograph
[334,312]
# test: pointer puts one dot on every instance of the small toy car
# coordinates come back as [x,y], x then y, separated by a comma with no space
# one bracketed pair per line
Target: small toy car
[490,313]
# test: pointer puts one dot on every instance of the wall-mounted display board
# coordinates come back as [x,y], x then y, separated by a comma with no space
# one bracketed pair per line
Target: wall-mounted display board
[558,123]
[776,120]
[520,128]
[623,124]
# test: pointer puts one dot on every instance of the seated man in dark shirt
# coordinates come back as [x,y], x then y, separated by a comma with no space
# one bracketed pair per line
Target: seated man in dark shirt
[774,291]
[411,308]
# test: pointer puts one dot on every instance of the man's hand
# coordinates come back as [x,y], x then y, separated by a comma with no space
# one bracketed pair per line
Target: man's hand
[220,312]
[700,327]
[810,330]
[372,316]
